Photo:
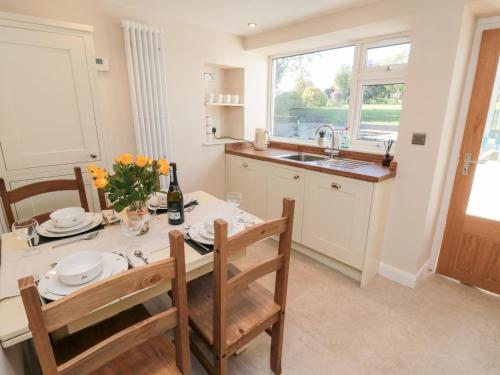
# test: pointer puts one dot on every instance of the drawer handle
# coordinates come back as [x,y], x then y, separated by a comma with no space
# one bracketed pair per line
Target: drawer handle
[244,164]
[296,177]
[93,155]
[336,185]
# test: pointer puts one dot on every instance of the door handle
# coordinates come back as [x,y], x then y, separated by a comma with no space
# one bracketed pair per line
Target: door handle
[468,161]
[336,185]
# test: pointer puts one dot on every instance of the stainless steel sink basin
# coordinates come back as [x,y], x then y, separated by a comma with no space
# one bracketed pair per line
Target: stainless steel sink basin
[342,163]
[304,158]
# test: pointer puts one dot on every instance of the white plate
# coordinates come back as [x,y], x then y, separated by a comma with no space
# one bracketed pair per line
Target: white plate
[49,225]
[199,233]
[114,265]
[96,220]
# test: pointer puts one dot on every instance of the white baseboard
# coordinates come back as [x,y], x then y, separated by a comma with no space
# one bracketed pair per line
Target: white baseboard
[403,277]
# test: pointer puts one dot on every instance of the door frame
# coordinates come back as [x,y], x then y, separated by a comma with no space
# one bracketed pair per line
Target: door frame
[482,24]
[63,27]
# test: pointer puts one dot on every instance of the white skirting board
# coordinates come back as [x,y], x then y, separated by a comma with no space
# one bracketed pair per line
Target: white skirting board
[402,277]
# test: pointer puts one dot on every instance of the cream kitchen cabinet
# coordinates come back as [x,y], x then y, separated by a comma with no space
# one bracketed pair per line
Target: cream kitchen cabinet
[336,216]
[285,182]
[247,176]
[338,221]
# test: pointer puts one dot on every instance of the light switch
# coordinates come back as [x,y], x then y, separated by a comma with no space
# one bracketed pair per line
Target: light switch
[418,139]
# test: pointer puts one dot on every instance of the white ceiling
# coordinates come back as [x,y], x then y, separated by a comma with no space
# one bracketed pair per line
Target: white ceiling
[232,16]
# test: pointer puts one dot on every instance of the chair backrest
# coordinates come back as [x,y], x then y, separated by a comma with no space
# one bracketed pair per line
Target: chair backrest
[44,319]
[224,247]
[37,188]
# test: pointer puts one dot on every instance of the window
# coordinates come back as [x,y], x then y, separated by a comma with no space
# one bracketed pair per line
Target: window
[395,54]
[358,89]
[380,110]
[310,90]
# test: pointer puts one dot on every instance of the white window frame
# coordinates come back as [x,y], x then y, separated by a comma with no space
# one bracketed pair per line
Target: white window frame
[361,76]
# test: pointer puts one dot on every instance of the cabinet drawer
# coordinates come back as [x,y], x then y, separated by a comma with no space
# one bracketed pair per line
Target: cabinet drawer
[336,216]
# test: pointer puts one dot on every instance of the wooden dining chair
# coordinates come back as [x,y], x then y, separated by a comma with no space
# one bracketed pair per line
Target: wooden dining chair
[37,188]
[103,202]
[228,312]
[139,349]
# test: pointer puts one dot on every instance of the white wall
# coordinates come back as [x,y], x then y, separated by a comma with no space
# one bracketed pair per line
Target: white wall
[187,49]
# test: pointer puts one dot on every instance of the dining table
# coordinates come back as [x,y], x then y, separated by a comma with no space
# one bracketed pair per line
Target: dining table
[155,244]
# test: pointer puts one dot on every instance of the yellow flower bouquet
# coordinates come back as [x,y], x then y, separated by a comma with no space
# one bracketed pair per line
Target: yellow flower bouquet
[133,181]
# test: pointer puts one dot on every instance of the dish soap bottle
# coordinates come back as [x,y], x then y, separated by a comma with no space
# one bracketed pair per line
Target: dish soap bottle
[346,139]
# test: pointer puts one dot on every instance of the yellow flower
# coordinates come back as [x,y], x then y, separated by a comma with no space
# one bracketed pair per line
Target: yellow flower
[141,161]
[150,161]
[125,159]
[101,173]
[163,166]
[100,183]
[92,169]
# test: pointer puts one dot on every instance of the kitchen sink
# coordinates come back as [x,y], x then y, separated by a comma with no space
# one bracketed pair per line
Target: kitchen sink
[342,163]
[323,161]
[304,158]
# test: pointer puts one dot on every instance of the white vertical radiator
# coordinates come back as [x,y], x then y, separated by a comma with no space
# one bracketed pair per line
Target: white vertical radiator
[144,47]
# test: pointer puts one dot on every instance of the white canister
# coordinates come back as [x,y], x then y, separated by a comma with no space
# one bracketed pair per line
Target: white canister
[221,98]
[235,99]
[227,99]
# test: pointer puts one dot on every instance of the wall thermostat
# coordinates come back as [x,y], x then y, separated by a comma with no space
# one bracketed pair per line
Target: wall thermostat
[102,64]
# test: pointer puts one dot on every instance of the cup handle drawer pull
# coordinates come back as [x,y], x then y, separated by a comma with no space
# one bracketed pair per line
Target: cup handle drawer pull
[296,177]
[244,164]
[336,185]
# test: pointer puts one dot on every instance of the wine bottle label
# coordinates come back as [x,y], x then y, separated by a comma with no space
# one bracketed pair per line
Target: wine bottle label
[174,215]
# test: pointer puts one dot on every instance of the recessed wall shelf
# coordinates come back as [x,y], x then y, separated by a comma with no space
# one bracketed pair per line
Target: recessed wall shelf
[227,118]
[225,105]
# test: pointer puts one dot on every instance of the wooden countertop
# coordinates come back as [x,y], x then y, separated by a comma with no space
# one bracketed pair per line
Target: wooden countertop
[374,172]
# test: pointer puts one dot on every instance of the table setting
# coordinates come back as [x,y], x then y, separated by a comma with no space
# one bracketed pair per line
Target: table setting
[74,248]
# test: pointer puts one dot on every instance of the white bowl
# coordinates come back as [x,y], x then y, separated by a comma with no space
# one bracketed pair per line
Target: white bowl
[209,221]
[79,268]
[68,217]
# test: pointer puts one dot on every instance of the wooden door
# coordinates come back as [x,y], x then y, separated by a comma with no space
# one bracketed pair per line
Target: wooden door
[470,251]
[336,216]
[46,104]
[285,182]
[248,176]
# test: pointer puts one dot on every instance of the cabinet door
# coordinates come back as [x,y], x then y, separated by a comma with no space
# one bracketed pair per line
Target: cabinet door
[46,105]
[284,182]
[336,216]
[247,176]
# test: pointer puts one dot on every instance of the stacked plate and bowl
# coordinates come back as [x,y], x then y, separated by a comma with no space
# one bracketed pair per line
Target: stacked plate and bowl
[204,231]
[69,221]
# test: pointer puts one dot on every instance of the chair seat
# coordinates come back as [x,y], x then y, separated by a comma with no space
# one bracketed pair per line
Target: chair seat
[247,309]
[154,357]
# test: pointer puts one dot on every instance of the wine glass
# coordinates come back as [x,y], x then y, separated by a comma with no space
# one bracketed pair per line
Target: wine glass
[25,230]
[154,203]
[130,227]
[234,200]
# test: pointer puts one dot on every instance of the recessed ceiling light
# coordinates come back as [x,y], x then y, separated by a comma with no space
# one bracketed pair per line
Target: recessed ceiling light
[252,24]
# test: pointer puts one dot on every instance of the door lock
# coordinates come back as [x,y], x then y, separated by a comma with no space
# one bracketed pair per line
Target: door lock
[468,161]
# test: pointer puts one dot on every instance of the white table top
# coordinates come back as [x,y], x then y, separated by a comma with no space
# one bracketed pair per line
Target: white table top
[13,321]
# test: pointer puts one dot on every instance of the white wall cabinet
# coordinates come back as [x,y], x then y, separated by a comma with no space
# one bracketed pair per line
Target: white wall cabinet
[48,107]
[338,221]
[247,176]
[285,182]
[336,216]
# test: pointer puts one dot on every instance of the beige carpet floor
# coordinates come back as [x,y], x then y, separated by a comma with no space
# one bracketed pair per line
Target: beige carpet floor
[335,327]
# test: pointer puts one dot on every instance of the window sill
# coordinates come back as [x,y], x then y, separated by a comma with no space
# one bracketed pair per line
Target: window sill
[377,148]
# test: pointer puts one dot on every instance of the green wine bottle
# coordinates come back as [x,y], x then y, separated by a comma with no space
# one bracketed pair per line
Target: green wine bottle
[175,200]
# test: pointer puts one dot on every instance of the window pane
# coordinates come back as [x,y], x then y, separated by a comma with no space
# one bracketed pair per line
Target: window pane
[387,55]
[310,90]
[380,111]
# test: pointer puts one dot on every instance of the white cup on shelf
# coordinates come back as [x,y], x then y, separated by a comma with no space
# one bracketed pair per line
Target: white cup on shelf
[211,97]
[235,99]
[220,98]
